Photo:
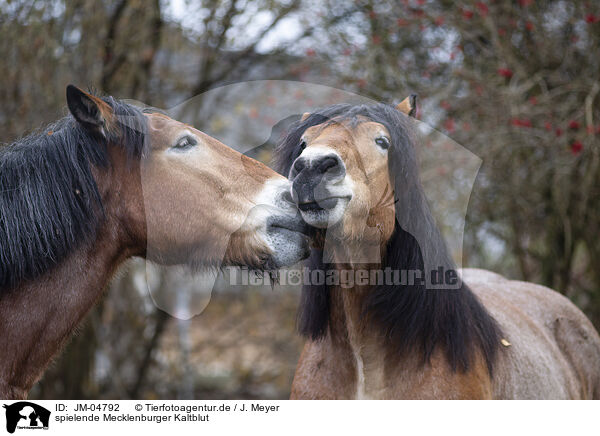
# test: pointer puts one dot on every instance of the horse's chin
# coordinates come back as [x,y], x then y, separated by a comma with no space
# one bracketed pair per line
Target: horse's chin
[288,248]
[287,240]
[325,218]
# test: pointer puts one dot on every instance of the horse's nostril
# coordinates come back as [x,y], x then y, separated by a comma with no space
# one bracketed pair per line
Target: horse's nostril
[329,164]
[311,170]
[299,165]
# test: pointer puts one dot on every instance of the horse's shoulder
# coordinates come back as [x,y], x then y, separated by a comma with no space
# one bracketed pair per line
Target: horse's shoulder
[323,372]
[546,332]
[437,380]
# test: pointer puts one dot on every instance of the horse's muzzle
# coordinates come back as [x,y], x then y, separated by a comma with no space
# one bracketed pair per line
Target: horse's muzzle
[311,177]
[286,232]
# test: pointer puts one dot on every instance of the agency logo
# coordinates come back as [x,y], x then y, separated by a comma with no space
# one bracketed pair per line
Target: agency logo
[26,415]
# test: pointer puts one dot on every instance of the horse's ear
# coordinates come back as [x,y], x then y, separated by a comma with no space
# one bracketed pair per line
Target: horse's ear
[408,105]
[305,115]
[91,112]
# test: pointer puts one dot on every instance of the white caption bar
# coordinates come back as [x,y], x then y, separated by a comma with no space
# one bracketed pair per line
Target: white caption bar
[310,418]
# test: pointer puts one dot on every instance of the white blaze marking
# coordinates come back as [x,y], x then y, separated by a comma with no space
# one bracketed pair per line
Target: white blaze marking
[360,377]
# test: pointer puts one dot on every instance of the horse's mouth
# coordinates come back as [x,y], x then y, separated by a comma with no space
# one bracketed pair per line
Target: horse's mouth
[319,205]
[288,223]
[288,239]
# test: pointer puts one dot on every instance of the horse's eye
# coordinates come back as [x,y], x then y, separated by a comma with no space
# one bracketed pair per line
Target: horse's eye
[383,142]
[185,143]
[302,144]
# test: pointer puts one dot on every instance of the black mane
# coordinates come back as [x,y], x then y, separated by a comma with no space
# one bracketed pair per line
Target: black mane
[411,317]
[49,201]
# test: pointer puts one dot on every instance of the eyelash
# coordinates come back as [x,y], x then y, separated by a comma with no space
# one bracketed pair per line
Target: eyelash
[383,142]
[185,143]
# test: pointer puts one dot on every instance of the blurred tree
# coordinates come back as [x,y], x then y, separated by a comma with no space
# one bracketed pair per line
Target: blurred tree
[517,83]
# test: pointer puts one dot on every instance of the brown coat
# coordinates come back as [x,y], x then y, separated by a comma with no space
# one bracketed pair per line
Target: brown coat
[552,351]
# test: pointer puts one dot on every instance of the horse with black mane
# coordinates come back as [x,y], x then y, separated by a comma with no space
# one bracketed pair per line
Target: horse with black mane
[355,180]
[108,182]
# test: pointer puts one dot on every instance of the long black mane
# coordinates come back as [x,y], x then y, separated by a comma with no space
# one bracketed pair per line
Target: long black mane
[49,200]
[411,317]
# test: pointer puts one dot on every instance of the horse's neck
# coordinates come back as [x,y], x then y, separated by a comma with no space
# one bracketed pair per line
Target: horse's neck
[347,323]
[347,303]
[37,317]
[356,337]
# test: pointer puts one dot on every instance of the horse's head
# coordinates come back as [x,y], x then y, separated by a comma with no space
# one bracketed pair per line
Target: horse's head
[191,199]
[340,177]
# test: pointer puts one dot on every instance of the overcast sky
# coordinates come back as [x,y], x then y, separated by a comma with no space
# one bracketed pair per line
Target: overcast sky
[287,29]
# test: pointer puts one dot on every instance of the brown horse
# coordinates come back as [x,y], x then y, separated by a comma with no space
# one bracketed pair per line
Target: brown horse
[73,208]
[355,180]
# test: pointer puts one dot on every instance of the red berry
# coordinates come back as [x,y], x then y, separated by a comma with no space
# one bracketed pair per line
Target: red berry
[576,147]
[483,8]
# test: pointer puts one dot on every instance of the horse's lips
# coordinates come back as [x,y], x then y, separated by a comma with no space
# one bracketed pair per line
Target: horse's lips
[326,203]
[289,238]
[294,224]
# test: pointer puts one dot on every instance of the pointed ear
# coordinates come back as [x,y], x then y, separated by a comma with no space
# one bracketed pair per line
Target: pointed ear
[91,112]
[408,105]
[305,115]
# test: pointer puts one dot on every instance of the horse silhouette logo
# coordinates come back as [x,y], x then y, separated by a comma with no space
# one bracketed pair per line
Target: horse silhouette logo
[26,415]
